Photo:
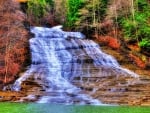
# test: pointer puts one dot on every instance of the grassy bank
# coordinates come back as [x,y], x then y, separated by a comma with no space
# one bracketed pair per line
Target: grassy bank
[49,108]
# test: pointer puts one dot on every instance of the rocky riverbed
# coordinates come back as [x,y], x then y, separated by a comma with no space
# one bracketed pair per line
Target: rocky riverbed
[109,90]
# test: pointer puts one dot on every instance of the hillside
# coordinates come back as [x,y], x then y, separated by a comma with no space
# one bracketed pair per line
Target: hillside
[123,26]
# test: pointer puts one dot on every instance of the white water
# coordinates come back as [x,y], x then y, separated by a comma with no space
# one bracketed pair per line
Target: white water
[59,56]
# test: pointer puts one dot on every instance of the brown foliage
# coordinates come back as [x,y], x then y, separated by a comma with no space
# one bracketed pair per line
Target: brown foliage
[13,40]
[137,61]
[108,40]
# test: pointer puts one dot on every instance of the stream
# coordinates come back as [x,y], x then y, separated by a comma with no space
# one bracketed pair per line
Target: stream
[69,69]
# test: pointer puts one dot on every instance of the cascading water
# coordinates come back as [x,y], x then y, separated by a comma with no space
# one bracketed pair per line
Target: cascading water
[58,57]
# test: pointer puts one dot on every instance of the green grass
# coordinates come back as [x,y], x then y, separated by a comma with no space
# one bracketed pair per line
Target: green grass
[51,108]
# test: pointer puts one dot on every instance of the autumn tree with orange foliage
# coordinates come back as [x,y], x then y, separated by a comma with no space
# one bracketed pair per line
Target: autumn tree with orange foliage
[14,46]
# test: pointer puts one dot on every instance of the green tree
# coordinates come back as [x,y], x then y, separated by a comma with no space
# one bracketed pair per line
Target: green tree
[85,13]
[92,15]
[72,15]
[136,25]
[37,9]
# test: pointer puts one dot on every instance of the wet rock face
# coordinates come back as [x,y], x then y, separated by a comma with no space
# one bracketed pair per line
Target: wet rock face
[13,40]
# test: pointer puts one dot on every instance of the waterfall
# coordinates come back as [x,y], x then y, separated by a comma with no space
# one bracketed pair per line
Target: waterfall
[59,56]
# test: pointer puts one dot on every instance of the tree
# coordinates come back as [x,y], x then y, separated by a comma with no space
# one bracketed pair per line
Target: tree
[14,50]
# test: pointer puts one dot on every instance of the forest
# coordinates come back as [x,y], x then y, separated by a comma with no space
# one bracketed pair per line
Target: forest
[120,27]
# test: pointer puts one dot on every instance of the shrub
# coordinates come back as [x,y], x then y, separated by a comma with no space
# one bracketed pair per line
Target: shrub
[145,44]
